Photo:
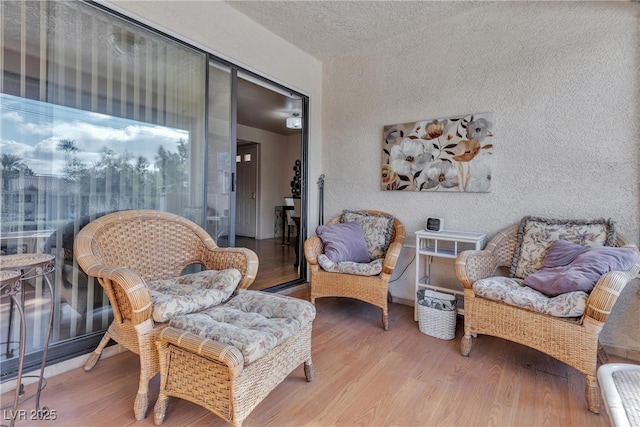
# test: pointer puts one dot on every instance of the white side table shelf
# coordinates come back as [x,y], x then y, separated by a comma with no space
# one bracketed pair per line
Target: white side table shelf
[444,244]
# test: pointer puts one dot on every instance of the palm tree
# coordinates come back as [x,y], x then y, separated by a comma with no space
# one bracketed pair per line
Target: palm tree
[68,146]
[10,162]
[12,167]
[73,167]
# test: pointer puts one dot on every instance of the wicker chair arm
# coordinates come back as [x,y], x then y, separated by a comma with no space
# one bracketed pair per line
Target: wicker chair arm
[243,259]
[472,265]
[313,247]
[119,282]
[606,292]
[205,347]
[391,257]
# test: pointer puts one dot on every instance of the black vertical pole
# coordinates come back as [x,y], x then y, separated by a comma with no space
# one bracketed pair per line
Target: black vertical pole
[321,200]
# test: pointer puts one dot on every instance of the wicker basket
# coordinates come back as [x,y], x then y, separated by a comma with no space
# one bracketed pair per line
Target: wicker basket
[437,314]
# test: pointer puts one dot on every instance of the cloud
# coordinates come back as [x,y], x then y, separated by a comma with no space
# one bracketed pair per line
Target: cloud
[14,147]
[13,116]
[40,159]
[33,130]
[97,116]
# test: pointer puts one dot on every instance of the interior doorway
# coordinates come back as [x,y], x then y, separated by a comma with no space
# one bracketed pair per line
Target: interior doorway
[269,156]
[247,161]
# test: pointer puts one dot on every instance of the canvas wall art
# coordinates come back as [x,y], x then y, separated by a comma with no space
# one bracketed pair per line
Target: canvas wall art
[451,154]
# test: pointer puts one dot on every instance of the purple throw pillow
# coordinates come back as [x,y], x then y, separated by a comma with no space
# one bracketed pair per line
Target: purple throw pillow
[344,242]
[569,267]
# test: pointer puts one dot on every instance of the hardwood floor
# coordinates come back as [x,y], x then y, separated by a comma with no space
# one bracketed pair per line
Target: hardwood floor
[276,261]
[364,376]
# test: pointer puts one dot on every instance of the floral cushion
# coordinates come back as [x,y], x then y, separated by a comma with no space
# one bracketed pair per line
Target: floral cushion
[191,292]
[372,268]
[512,291]
[254,322]
[536,235]
[377,230]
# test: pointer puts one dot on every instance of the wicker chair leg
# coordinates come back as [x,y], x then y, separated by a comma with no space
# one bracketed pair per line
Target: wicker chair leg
[160,409]
[592,392]
[140,406]
[95,356]
[309,372]
[141,403]
[385,321]
[466,344]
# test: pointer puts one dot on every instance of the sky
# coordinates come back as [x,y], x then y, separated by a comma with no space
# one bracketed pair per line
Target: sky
[32,130]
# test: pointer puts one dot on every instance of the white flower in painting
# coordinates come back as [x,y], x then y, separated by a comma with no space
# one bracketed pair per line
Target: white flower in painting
[409,157]
[441,174]
[480,174]
[478,129]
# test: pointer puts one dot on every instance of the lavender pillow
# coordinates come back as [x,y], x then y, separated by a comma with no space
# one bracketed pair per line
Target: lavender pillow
[344,242]
[569,267]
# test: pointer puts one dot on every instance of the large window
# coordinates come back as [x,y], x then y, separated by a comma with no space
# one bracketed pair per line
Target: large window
[97,115]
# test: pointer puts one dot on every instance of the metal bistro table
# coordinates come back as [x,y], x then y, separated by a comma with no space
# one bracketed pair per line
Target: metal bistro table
[15,269]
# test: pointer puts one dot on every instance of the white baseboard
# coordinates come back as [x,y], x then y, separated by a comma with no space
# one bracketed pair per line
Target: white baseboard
[59,368]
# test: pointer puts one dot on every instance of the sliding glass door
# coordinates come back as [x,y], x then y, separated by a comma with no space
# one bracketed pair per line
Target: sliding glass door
[99,114]
[220,182]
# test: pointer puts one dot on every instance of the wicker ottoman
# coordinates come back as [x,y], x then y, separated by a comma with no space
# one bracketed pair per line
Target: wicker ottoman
[227,359]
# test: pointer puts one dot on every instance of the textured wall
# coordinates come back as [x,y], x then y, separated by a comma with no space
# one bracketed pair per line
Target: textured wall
[563,82]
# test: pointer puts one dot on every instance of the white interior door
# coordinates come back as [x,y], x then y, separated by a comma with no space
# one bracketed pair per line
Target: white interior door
[246,188]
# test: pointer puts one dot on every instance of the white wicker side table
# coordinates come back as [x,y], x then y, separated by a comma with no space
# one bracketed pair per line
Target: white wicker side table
[620,388]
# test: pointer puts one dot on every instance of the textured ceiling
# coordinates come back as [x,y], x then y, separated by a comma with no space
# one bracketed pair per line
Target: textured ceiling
[329,29]
[326,30]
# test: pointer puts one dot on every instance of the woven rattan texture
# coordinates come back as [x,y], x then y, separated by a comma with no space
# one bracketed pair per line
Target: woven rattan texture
[371,289]
[574,342]
[437,323]
[628,385]
[124,250]
[209,383]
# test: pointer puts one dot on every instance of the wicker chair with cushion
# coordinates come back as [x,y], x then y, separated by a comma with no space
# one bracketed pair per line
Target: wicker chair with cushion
[338,266]
[550,285]
[138,257]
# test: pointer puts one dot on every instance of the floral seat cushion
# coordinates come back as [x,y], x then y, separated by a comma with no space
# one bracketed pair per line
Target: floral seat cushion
[372,268]
[254,322]
[513,292]
[191,292]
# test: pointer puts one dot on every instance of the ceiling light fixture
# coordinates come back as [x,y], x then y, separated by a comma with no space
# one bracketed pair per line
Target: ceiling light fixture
[124,44]
[294,121]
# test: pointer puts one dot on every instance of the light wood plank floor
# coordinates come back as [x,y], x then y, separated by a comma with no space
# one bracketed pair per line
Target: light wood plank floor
[276,261]
[364,377]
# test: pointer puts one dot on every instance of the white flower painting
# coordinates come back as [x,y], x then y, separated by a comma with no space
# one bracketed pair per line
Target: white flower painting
[452,154]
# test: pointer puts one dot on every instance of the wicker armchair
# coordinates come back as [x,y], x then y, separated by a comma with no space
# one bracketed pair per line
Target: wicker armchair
[124,250]
[570,340]
[370,289]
